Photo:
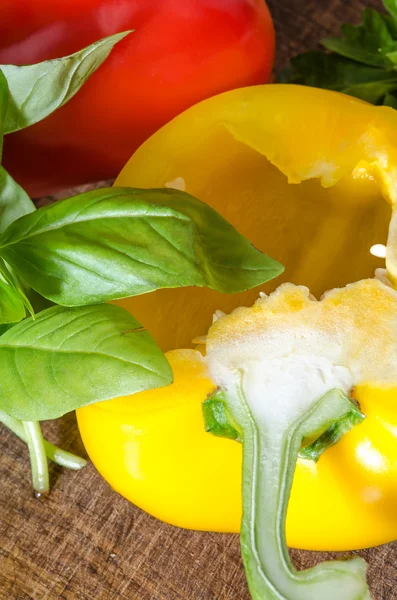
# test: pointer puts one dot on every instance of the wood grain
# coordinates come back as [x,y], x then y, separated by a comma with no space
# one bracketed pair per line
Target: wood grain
[85,542]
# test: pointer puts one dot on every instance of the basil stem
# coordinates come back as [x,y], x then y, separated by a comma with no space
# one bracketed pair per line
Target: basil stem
[57,455]
[270,452]
[38,459]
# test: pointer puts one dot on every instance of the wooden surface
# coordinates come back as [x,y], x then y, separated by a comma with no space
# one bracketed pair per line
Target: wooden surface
[85,542]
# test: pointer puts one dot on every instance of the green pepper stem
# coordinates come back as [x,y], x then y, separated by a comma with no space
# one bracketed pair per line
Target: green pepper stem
[38,459]
[269,459]
[332,435]
[55,454]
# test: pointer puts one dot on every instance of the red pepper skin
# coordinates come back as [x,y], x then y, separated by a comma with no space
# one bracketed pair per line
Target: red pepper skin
[181,52]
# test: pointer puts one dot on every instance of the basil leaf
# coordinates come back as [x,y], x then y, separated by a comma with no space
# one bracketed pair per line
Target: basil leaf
[3,108]
[119,242]
[5,327]
[70,357]
[14,201]
[38,90]
[12,281]
[12,308]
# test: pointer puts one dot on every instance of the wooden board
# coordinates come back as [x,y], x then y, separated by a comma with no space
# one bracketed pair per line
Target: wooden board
[85,542]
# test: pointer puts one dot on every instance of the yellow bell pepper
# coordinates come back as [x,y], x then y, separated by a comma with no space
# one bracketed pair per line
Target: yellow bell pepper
[309,176]
[285,369]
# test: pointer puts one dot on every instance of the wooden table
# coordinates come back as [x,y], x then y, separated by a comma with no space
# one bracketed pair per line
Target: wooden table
[85,542]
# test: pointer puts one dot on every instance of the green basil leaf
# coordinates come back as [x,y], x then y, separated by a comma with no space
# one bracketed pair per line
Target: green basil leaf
[13,282]
[12,308]
[5,327]
[119,242]
[37,302]
[38,90]
[4,95]
[14,201]
[71,357]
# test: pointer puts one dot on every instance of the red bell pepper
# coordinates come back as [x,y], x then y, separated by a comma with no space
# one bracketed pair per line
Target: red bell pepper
[182,51]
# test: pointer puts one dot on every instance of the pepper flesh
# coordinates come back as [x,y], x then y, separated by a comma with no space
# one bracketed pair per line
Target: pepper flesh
[277,364]
[238,152]
[222,150]
[145,454]
[155,448]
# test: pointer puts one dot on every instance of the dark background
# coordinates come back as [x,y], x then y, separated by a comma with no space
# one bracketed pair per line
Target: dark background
[85,542]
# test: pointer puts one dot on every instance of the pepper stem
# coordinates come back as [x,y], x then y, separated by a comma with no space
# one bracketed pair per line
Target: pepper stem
[270,453]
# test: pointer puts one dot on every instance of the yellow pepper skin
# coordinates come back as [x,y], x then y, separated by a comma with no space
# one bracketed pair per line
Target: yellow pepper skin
[159,454]
[244,153]
[154,451]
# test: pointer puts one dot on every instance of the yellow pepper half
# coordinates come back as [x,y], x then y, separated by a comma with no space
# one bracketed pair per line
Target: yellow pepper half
[285,369]
[309,176]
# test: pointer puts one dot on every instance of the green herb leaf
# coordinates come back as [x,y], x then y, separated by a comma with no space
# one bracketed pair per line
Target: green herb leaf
[4,95]
[12,308]
[391,24]
[68,358]
[119,242]
[369,43]
[391,6]
[390,100]
[38,90]
[14,201]
[6,326]
[13,282]
[362,63]
[329,71]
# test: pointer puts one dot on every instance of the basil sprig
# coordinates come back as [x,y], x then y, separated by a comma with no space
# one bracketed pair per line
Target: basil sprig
[107,244]
[36,91]
[14,201]
[114,243]
[83,252]
[12,308]
[70,357]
